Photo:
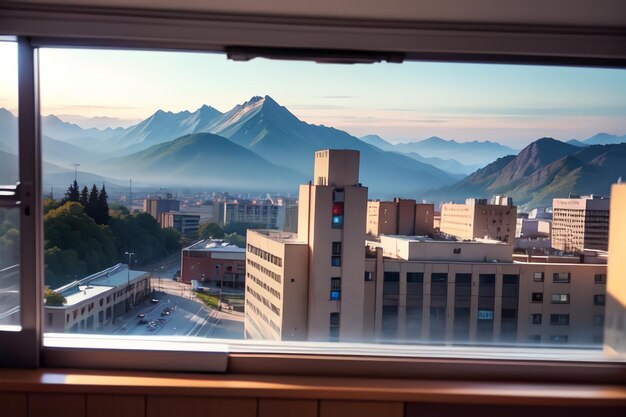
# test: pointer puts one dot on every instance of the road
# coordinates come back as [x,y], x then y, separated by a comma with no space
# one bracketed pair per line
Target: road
[188,316]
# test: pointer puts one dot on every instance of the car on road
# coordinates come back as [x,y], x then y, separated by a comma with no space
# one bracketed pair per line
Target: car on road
[143,321]
[141,315]
[166,311]
[154,300]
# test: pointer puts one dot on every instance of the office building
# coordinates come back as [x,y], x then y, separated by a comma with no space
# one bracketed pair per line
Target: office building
[328,269]
[291,218]
[399,217]
[97,300]
[185,223]
[155,206]
[328,283]
[267,214]
[214,262]
[580,223]
[478,218]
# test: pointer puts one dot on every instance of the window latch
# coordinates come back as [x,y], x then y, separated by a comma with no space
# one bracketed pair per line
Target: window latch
[10,195]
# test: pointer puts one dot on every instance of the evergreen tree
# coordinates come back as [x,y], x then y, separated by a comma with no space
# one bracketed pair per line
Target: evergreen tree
[84,196]
[92,205]
[103,205]
[72,193]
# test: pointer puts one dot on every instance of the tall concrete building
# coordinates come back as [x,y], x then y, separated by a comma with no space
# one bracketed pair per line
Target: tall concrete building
[399,217]
[271,216]
[580,223]
[155,206]
[330,248]
[291,218]
[327,282]
[478,218]
[186,223]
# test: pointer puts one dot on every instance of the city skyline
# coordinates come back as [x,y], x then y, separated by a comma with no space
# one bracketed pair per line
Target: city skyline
[513,105]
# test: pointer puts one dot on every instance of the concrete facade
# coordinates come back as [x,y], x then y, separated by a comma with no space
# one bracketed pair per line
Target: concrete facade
[327,283]
[399,217]
[156,206]
[185,223]
[478,219]
[580,223]
[615,331]
[271,216]
[477,302]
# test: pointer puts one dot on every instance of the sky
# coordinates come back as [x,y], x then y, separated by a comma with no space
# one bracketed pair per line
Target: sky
[513,105]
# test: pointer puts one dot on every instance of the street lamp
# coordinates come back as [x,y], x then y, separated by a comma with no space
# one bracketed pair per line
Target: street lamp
[130,254]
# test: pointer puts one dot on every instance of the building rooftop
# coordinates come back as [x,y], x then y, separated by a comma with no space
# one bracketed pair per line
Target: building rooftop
[214,245]
[95,284]
[443,239]
[279,235]
[182,213]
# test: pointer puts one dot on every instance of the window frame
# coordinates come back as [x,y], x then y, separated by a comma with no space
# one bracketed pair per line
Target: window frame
[82,26]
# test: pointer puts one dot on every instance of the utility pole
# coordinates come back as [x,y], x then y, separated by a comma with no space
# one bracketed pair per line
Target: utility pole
[130,254]
[75,165]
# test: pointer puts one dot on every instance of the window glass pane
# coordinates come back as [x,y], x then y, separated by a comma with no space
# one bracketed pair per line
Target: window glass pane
[190,195]
[9,175]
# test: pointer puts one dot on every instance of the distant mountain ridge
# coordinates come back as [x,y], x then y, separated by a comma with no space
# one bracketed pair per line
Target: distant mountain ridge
[449,165]
[469,153]
[545,169]
[206,160]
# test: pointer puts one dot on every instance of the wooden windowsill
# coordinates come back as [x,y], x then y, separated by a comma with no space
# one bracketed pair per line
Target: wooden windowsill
[236,385]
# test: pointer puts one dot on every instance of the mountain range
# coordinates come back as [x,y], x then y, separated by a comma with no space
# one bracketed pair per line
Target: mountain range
[449,165]
[261,145]
[259,125]
[545,169]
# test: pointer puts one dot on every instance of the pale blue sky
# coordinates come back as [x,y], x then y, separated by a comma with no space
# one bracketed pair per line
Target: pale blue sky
[510,104]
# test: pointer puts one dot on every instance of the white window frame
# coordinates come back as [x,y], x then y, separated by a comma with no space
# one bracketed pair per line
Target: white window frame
[242,36]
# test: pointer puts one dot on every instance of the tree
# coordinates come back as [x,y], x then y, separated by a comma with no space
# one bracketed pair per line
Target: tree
[92,205]
[210,231]
[54,298]
[172,239]
[103,206]
[84,196]
[72,193]
[75,245]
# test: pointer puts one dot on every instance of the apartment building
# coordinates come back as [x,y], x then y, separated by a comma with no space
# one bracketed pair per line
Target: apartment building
[580,223]
[291,218]
[268,214]
[214,262]
[328,283]
[155,206]
[185,223]
[445,291]
[399,217]
[478,218]
[330,239]
[97,300]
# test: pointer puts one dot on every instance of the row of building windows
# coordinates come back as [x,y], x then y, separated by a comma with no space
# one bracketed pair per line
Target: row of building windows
[265,255]
[563,298]
[264,285]
[263,300]
[276,277]
[251,307]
